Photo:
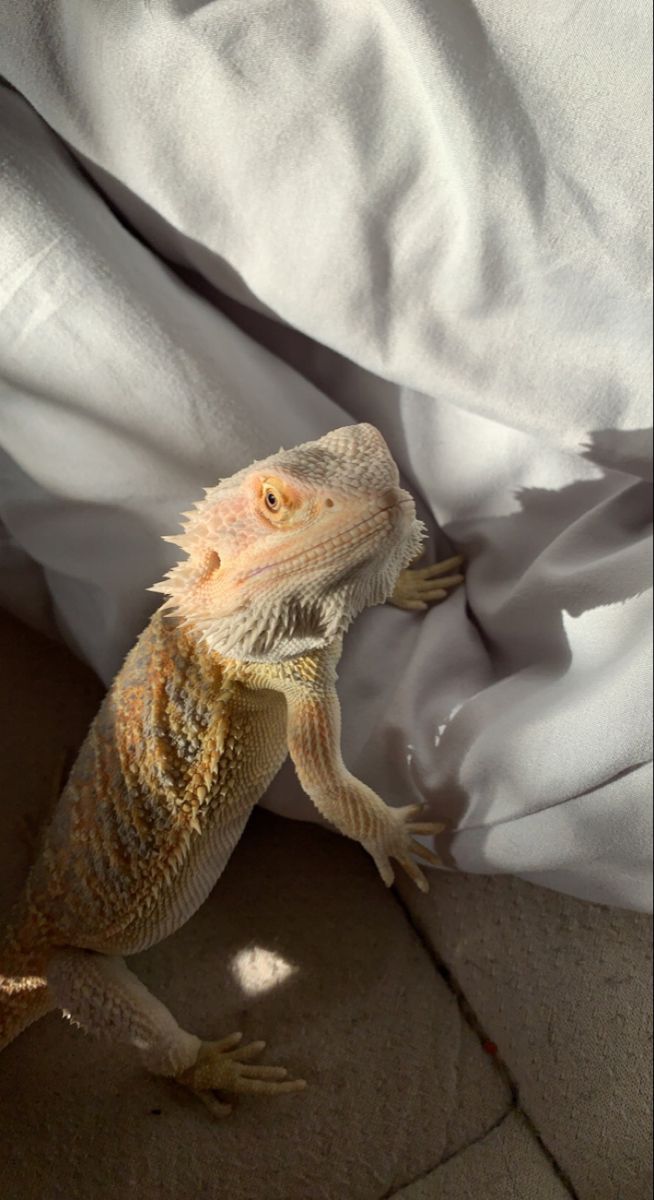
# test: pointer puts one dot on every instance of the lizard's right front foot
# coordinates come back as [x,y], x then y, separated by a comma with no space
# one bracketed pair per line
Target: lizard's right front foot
[394,838]
[225,1066]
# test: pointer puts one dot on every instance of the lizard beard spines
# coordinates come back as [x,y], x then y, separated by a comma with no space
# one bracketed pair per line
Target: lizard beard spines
[276,632]
[292,624]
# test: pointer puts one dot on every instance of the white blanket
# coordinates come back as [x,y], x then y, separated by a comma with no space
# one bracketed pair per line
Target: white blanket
[439,214]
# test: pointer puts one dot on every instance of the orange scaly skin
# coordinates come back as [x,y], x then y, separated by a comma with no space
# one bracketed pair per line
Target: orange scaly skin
[234,672]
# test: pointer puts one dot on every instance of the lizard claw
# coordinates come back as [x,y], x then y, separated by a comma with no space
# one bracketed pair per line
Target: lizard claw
[396,842]
[225,1066]
[417,588]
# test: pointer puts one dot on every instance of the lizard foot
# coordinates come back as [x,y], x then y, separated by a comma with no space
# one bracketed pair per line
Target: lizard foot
[418,587]
[226,1066]
[395,841]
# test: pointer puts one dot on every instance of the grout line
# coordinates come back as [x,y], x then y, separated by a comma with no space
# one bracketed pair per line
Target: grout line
[397,1191]
[470,1017]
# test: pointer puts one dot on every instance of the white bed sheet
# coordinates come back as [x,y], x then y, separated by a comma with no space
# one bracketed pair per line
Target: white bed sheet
[438,214]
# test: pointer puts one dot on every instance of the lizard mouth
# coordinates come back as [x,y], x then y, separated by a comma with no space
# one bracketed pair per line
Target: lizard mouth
[342,544]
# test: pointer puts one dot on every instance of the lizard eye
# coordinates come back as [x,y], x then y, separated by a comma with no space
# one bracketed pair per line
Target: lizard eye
[277,501]
[273,496]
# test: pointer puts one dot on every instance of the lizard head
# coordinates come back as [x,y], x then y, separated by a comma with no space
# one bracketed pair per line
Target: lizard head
[283,555]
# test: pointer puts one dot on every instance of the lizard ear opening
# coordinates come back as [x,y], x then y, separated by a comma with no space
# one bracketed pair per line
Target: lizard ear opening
[210,564]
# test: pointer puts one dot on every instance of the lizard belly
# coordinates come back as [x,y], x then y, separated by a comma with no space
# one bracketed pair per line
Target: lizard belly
[183,893]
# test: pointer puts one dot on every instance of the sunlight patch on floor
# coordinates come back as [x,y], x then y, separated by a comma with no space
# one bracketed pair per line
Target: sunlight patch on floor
[258,970]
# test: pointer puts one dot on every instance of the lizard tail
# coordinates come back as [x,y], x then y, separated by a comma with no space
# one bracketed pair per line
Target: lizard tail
[23,999]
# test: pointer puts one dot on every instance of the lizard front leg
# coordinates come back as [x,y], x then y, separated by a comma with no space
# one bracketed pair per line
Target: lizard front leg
[314,734]
[102,995]
[418,587]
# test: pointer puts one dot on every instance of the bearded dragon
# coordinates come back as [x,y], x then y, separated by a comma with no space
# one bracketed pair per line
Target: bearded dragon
[235,670]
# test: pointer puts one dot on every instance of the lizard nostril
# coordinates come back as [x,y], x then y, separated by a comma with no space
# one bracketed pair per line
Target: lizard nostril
[329,503]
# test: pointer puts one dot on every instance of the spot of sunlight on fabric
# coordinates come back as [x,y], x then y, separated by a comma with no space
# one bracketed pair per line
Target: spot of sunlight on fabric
[258,970]
[440,729]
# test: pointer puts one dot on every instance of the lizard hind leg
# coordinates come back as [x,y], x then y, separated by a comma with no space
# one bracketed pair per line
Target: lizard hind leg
[101,994]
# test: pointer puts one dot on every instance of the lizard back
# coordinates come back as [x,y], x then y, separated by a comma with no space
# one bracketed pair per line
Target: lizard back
[179,752]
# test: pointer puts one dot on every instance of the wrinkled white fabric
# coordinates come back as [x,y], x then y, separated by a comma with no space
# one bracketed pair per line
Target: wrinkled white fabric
[438,214]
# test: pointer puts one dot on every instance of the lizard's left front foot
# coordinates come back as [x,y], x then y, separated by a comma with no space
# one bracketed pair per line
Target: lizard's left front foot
[225,1067]
[418,587]
[394,840]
